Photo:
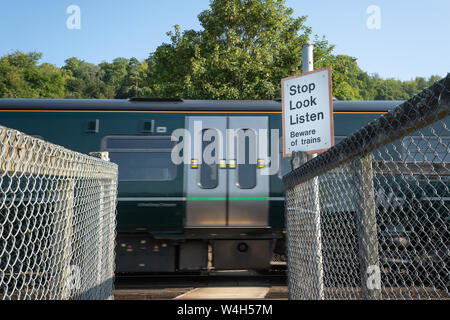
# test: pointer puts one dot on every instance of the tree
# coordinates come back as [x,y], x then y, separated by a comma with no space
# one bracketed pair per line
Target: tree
[346,82]
[49,81]
[246,47]
[21,77]
[113,74]
[135,82]
[85,80]
[126,78]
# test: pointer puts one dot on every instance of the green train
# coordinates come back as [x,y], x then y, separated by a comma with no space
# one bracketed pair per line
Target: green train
[193,215]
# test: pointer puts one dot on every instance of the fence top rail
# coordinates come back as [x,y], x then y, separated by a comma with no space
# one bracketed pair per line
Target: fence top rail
[25,154]
[429,106]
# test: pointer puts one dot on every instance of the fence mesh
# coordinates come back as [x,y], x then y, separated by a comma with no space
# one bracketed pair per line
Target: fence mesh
[369,218]
[57,221]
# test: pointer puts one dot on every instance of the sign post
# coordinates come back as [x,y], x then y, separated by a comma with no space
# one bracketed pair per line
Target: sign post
[308,129]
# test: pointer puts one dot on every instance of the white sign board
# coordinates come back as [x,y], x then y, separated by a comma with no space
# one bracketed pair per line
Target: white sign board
[307,112]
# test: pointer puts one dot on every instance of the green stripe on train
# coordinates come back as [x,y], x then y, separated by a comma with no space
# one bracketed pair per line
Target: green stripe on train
[224,198]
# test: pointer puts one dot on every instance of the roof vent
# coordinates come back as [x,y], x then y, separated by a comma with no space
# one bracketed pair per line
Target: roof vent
[156,100]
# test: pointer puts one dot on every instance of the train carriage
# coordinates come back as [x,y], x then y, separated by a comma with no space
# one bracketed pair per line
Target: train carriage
[195,215]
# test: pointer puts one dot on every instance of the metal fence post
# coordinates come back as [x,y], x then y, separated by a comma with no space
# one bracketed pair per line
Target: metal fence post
[307,66]
[105,245]
[311,213]
[66,226]
[311,224]
[100,248]
[366,224]
[297,160]
[315,205]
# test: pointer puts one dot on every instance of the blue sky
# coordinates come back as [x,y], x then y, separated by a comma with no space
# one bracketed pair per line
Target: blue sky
[413,40]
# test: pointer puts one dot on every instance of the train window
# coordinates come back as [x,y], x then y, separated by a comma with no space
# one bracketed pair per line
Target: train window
[209,173]
[246,159]
[144,166]
[142,158]
[426,148]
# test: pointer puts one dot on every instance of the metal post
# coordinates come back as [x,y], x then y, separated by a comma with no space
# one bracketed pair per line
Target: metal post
[105,253]
[307,66]
[315,206]
[298,159]
[65,228]
[367,228]
[101,240]
[307,58]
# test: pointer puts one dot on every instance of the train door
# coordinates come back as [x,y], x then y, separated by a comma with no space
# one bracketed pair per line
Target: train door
[206,183]
[248,189]
[231,192]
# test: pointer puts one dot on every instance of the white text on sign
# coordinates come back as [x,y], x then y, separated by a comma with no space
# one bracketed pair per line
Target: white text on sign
[307,112]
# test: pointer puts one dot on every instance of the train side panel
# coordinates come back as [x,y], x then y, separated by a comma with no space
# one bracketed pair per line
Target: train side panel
[152,233]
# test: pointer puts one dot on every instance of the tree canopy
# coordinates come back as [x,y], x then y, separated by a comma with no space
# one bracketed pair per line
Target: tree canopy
[243,51]
[21,77]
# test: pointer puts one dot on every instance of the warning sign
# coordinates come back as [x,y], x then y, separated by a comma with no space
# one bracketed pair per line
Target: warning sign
[307,112]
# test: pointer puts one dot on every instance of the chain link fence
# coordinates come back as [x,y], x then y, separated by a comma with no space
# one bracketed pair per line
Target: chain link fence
[57,221]
[369,218]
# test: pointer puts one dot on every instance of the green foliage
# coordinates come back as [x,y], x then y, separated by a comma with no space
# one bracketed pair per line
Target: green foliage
[346,85]
[114,73]
[135,82]
[246,47]
[21,77]
[243,51]
[85,80]
[126,78]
